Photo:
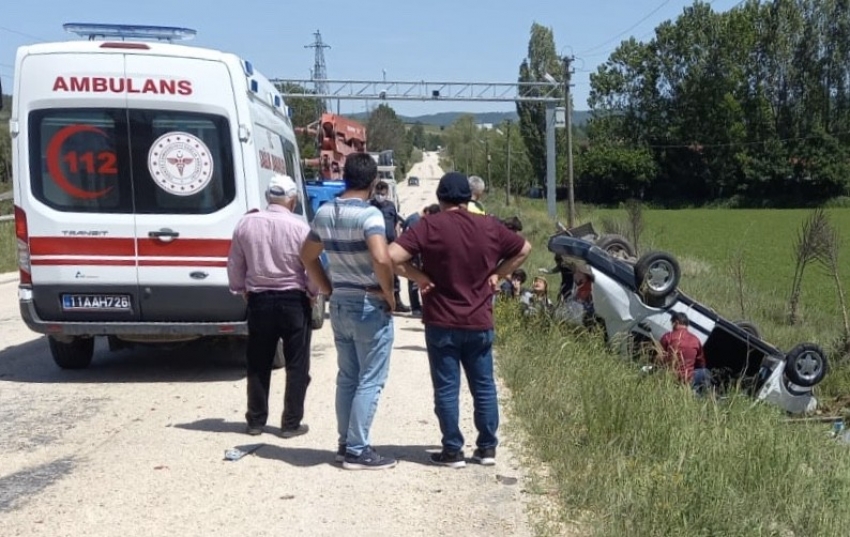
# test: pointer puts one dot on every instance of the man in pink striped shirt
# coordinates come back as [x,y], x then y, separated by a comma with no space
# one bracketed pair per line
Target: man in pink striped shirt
[265,265]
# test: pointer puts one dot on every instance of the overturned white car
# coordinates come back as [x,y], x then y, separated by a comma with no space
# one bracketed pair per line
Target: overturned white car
[635,302]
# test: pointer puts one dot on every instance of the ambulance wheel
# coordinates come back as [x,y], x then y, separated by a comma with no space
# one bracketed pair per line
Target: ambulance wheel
[317,318]
[74,354]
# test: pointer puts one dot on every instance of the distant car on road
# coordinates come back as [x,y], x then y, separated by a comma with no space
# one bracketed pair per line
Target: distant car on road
[635,300]
[412,181]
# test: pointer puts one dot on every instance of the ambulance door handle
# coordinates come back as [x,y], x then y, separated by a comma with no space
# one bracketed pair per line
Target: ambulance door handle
[164,234]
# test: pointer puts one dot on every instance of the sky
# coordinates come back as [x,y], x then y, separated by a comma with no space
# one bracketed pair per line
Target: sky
[438,40]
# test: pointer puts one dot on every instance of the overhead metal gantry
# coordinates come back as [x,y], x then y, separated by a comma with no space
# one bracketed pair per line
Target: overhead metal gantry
[549,93]
[533,92]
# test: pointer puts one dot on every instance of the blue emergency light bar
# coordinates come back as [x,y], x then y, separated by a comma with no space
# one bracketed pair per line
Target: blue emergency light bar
[93,31]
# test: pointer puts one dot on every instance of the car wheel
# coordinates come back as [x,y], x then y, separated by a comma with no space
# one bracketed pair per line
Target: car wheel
[317,318]
[806,365]
[657,274]
[75,354]
[616,246]
[749,327]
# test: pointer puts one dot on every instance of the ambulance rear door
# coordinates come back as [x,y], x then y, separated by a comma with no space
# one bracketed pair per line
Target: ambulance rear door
[74,186]
[190,191]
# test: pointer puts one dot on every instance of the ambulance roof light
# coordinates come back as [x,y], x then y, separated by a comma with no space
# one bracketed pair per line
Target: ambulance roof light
[93,31]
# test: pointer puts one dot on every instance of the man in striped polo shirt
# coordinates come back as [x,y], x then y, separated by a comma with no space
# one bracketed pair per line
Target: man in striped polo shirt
[353,234]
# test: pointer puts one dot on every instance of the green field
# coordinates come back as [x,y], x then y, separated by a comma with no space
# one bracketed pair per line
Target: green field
[630,454]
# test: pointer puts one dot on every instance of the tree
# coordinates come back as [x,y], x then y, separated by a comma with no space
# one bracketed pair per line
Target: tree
[304,111]
[386,131]
[542,59]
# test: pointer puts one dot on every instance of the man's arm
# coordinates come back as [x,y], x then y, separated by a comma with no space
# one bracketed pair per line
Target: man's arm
[237,266]
[401,260]
[310,252]
[507,266]
[382,264]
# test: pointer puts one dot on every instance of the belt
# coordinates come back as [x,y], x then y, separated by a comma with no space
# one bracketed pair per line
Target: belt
[284,292]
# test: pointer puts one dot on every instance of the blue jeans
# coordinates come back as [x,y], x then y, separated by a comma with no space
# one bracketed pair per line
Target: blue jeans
[363,334]
[701,381]
[448,350]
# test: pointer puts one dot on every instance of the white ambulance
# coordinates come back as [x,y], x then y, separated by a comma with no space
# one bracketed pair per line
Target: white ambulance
[133,160]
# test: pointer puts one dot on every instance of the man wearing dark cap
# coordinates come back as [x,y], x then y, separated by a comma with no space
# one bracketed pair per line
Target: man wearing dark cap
[463,257]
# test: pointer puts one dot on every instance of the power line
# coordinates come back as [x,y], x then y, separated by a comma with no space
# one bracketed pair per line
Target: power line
[627,30]
[22,34]
[695,145]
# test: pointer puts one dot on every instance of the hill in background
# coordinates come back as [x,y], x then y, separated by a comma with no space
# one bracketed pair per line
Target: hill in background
[444,119]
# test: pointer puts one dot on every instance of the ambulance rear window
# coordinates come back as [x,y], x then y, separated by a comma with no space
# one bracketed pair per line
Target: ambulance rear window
[125,161]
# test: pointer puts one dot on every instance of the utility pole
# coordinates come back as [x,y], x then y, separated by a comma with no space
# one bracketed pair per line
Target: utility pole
[319,73]
[508,183]
[571,207]
[487,150]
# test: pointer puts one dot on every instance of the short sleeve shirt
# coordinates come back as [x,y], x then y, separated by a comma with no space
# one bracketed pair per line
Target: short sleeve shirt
[343,225]
[459,252]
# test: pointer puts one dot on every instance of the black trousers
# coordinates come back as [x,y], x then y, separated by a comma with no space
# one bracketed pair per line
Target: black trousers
[274,315]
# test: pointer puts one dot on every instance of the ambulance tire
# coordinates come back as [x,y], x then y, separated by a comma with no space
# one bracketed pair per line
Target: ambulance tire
[75,354]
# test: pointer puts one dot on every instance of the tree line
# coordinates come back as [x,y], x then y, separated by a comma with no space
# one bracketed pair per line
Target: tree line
[747,107]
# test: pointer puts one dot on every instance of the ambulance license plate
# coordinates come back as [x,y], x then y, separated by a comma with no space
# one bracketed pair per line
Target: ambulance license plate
[96,302]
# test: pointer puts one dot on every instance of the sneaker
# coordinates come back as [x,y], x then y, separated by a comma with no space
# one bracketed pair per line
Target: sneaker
[298,431]
[450,459]
[253,430]
[485,456]
[340,453]
[416,312]
[368,460]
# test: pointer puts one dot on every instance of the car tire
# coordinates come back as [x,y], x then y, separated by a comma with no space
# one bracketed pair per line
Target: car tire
[806,365]
[657,275]
[750,328]
[616,246]
[75,354]
[317,315]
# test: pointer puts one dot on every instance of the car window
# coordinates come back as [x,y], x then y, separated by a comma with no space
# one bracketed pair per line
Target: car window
[119,161]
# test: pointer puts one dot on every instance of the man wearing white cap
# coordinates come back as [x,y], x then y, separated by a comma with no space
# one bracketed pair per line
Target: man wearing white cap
[265,265]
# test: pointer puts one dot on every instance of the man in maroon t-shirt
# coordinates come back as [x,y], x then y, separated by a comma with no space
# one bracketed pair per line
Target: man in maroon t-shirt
[463,257]
[683,353]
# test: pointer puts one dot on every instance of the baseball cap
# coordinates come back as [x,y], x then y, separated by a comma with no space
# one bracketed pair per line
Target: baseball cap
[282,186]
[454,188]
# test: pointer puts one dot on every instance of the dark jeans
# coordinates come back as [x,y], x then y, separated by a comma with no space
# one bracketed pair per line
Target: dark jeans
[413,293]
[274,315]
[449,350]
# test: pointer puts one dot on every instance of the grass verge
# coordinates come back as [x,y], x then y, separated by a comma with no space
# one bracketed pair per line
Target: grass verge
[631,454]
[8,249]
[648,458]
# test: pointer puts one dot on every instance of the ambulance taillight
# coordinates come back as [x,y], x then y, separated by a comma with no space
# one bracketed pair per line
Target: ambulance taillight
[23,241]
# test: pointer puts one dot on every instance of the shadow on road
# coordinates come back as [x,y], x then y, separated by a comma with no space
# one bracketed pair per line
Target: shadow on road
[295,456]
[413,329]
[213,425]
[190,362]
[409,454]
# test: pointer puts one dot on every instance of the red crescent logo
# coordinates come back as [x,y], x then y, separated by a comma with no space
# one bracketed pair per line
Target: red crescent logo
[54,148]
